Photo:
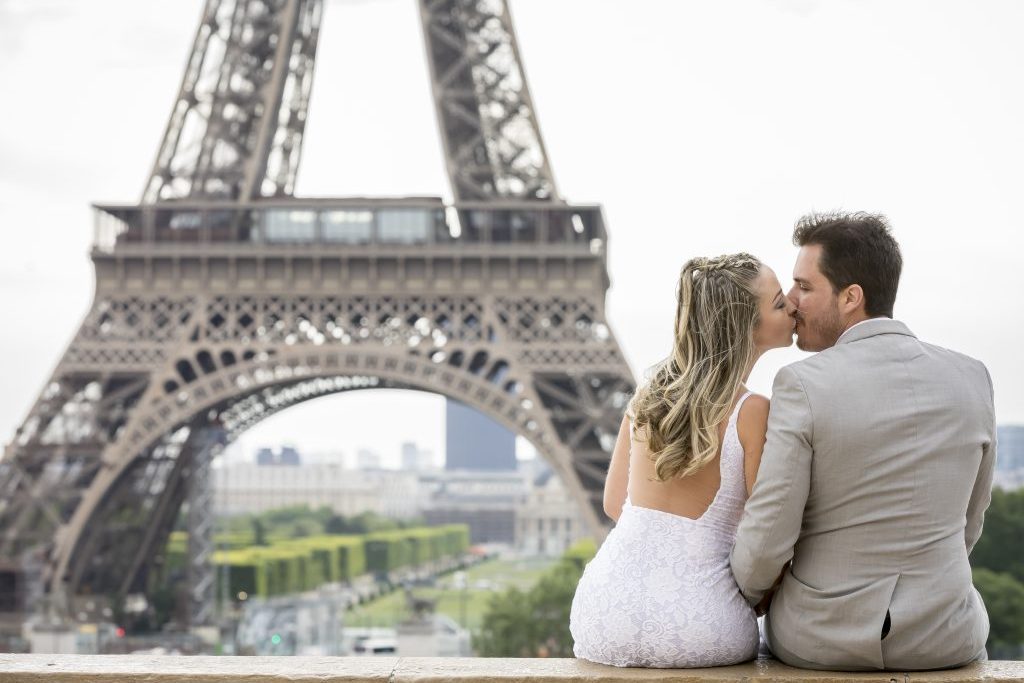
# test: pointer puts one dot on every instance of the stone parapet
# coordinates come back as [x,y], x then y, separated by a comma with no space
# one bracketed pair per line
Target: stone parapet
[180,669]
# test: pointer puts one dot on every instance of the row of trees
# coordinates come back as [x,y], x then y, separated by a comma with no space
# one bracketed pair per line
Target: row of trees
[302,521]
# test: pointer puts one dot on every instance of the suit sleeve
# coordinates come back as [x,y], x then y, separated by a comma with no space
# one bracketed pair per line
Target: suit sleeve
[981,495]
[774,512]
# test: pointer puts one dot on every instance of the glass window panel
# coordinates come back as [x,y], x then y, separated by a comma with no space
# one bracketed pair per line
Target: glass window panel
[180,220]
[405,226]
[222,224]
[349,226]
[287,225]
[559,227]
[474,227]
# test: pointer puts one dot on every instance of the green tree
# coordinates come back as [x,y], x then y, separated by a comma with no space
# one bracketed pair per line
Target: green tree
[507,629]
[535,623]
[303,528]
[371,522]
[259,532]
[999,548]
[1004,598]
[363,523]
[338,524]
[550,600]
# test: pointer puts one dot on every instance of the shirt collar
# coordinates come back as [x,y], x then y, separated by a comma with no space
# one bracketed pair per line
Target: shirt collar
[871,327]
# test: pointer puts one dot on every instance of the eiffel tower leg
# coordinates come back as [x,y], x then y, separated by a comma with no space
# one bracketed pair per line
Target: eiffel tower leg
[585,407]
[201,572]
[54,456]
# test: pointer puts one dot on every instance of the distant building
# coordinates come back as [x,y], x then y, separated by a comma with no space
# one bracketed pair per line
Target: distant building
[287,456]
[486,501]
[415,459]
[549,520]
[1010,447]
[476,442]
[265,456]
[367,459]
[426,459]
[410,456]
[495,524]
[245,488]
[1009,457]
[533,469]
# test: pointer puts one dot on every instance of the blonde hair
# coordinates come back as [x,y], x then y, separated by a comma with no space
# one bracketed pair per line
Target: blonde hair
[691,392]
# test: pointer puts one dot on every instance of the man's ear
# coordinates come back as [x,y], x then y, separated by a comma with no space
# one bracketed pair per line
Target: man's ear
[851,298]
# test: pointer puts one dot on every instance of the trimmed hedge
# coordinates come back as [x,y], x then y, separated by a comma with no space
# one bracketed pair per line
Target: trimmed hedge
[247,572]
[335,558]
[302,564]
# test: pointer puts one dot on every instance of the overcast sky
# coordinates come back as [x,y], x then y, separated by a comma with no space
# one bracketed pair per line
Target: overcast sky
[702,127]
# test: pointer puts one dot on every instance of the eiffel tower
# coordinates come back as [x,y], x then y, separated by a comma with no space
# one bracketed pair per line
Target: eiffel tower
[222,298]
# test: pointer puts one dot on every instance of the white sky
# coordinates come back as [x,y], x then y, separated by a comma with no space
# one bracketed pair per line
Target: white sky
[702,127]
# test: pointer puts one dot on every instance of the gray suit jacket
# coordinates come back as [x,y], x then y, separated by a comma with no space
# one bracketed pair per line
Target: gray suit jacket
[874,480]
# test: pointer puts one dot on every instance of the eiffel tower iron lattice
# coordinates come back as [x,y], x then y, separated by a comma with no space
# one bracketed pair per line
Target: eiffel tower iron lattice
[222,299]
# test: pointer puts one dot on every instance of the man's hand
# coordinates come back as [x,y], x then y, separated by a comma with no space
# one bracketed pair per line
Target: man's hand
[761,608]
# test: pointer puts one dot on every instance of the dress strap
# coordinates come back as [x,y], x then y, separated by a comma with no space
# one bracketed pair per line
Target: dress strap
[733,475]
[739,404]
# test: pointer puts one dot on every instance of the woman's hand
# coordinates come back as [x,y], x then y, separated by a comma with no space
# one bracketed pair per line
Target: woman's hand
[761,608]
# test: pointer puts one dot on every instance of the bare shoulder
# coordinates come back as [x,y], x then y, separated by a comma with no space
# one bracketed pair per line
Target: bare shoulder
[752,422]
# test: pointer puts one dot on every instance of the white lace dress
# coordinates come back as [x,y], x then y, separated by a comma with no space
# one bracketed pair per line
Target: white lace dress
[660,592]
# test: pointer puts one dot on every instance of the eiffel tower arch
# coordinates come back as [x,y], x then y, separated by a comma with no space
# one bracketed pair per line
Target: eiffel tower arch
[221,298]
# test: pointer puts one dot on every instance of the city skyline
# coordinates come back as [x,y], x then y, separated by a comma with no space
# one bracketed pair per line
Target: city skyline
[432,437]
[692,144]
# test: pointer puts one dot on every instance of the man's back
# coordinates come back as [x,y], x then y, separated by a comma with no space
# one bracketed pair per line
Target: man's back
[879,452]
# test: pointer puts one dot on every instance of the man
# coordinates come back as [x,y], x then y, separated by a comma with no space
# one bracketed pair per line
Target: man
[875,475]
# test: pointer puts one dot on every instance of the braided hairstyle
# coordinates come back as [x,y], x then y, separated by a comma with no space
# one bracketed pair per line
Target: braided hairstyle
[690,393]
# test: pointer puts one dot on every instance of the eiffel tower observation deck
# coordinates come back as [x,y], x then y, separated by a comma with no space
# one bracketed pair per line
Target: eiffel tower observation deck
[222,299]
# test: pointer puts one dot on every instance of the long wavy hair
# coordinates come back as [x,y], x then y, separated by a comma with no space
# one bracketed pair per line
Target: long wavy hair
[689,394]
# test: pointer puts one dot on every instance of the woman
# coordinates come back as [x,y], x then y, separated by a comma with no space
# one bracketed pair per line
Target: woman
[660,593]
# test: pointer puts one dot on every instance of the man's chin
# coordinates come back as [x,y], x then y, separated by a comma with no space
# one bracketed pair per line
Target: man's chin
[805,344]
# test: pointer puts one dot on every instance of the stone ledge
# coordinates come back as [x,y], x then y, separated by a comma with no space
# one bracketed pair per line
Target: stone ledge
[178,669]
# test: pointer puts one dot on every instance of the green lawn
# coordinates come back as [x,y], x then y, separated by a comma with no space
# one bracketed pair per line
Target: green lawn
[483,581]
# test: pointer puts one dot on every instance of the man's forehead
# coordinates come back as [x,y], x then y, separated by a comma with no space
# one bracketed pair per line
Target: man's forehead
[806,266]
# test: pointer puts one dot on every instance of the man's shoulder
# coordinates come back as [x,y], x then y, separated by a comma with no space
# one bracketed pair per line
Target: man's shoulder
[954,357]
[835,358]
[971,371]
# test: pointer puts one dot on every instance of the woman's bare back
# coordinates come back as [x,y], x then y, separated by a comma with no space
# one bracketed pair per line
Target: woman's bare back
[691,496]
[687,496]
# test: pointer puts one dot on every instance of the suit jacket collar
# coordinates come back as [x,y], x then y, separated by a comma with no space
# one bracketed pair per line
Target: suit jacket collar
[873,327]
